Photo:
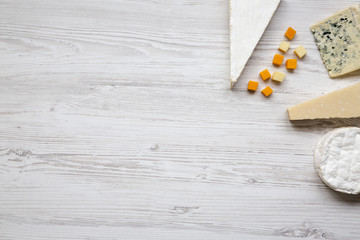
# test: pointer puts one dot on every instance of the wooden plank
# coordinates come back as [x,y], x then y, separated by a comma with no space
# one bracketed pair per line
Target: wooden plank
[117,123]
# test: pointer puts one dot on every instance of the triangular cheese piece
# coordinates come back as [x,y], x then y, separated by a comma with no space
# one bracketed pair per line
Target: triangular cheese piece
[340,104]
[248,21]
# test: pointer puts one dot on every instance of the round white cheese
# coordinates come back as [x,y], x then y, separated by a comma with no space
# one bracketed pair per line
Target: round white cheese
[337,159]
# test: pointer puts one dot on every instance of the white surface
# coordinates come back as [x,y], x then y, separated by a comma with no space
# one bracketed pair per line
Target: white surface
[337,159]
[117,122]
[248,21]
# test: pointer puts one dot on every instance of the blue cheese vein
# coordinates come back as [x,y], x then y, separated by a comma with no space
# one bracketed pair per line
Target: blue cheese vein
[338,40]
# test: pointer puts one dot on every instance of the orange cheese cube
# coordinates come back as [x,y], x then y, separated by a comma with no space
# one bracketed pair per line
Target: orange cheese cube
[291,63]
[290,33]
[252,86]
[265,75]
[278,59]
[267,91]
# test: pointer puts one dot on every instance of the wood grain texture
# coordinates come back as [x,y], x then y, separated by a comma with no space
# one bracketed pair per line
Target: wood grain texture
[116,122]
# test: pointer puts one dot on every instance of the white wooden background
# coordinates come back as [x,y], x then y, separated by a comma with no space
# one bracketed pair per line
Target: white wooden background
[117,122]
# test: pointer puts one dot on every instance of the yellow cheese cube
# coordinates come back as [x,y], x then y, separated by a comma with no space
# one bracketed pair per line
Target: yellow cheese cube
[300,52]
[278,76]
[284,46]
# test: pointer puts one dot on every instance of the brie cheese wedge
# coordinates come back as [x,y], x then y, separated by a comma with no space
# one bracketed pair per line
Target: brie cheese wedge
[248,21]
[337,160]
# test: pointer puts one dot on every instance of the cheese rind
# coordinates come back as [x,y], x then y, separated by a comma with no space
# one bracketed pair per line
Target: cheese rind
[337,160]
[340,104]
[248,21]
[338,40]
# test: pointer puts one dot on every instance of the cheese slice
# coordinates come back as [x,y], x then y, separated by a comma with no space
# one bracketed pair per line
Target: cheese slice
[248,21]
[338,40]
[340,104]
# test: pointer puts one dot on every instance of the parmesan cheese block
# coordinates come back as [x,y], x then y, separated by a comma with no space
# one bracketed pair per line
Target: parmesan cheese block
[338,40]
[337,160]
[340,104]
[248,21]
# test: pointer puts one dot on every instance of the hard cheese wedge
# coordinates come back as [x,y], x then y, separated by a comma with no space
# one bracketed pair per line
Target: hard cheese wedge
[338,40]
[248,21]
[340,104]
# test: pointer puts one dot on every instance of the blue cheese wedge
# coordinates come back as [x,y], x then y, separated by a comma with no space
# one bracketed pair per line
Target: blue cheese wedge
[338,40]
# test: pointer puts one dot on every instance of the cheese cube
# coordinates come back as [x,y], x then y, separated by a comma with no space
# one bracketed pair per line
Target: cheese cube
[265,75]
[267,91]
[284,46]
[278,76]
[278,59]
[291,64]
[252,86]
[300,51]
[290,33]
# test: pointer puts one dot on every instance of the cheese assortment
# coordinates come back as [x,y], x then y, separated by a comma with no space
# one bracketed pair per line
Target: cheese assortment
[337,160]
[338,40]
[248,21]
[278,59]
[337,155]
